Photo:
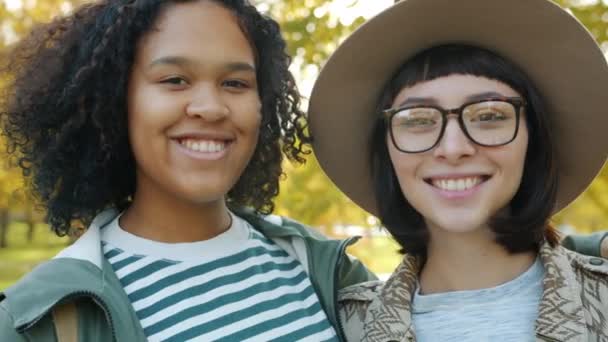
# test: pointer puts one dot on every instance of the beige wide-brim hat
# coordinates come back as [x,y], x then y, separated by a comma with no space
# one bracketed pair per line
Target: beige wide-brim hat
[547,43]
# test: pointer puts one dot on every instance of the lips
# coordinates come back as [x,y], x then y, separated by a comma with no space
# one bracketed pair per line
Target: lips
[457,184]
[203,145]
[204,141]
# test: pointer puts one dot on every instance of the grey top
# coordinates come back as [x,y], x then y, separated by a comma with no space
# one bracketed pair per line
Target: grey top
[503,313]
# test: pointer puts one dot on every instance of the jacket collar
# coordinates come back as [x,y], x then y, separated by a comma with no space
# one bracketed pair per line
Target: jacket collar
[389,317]
[560,316]
[88,246]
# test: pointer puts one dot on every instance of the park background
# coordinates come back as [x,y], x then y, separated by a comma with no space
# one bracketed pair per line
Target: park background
[313,29]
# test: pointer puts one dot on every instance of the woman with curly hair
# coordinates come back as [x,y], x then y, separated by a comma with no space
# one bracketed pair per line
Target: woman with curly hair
[155,123]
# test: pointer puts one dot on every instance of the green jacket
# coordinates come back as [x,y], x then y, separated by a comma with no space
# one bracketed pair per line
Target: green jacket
[81,275]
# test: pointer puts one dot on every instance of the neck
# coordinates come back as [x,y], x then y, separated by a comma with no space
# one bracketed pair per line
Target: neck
[469,261]
[163,218]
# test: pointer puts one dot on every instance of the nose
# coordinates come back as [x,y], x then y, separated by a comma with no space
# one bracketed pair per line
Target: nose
[454,145]
[207,104]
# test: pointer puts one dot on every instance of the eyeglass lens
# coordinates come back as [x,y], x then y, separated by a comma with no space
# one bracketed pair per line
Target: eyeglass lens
[488,123]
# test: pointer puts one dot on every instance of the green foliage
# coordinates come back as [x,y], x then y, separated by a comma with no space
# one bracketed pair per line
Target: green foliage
[593,14]
[590,211]
[309,196]
[312,30]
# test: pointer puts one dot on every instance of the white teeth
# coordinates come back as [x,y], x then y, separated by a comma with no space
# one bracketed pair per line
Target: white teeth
[460,184]
[204,146]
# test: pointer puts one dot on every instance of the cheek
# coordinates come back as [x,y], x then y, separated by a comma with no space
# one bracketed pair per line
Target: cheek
[145,127]
[405,166]
[511,161]
[249,125]
[249,120]
[519,150]
[152,106]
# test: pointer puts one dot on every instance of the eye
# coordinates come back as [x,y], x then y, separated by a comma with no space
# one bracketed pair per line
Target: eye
[489,117]
[417,122]
[240,84]
[175,81]
[417,118]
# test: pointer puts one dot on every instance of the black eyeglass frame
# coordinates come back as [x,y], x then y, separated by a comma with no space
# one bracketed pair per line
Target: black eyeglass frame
[517,102]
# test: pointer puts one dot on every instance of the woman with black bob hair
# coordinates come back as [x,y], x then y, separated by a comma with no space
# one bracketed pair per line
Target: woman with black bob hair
[464,132]
[161,126]
[521,228]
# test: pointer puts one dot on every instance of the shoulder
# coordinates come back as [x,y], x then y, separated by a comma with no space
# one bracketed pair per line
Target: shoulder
[585,244]
[591,278]
[46,285]
[8,331]
[355,300]
[587,266]
[275,225]
[362,292]
[354,303]
[579,269]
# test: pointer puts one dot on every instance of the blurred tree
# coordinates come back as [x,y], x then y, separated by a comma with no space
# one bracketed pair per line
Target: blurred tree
[313,29]
[17,18]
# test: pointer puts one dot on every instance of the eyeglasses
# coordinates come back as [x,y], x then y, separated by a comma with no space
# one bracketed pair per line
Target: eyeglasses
[488,122]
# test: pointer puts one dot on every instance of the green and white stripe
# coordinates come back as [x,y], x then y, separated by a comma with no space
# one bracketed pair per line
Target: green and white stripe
[239,286]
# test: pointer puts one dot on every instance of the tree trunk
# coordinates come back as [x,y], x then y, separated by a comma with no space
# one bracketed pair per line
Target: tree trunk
[3,228]
[29,219]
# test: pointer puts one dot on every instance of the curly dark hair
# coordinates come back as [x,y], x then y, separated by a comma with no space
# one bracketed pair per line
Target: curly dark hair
[64,109]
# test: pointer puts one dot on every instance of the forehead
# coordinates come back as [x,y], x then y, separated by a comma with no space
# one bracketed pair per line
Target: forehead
[197,30]
[454,90]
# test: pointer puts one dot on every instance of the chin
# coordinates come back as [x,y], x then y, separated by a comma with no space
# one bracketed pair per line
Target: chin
[202,195]
[457,226]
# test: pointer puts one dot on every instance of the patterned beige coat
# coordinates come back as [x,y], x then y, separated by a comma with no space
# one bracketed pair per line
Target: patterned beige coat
[573,308]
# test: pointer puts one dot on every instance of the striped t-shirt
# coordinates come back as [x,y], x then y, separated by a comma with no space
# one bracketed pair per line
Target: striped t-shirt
[238,286]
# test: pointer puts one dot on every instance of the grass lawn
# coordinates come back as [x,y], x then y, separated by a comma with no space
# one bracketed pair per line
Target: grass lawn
[21,256]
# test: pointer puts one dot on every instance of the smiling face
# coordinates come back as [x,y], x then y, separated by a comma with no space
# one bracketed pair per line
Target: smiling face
[194,108]
[458,185]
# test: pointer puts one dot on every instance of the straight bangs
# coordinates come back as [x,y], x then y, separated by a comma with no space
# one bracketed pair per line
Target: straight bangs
[452,59]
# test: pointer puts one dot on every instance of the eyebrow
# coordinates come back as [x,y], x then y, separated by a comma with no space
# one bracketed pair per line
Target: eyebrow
[183,61]
[433,101]
[484,95]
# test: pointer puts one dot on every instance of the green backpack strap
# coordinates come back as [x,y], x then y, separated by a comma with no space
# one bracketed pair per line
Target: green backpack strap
[66,322]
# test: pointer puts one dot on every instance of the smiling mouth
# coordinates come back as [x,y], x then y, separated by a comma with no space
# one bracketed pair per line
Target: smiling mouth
[204,145]
[457,184]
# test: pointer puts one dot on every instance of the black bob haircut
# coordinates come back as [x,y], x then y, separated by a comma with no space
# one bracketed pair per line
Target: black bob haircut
[526,225]
[64,109]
